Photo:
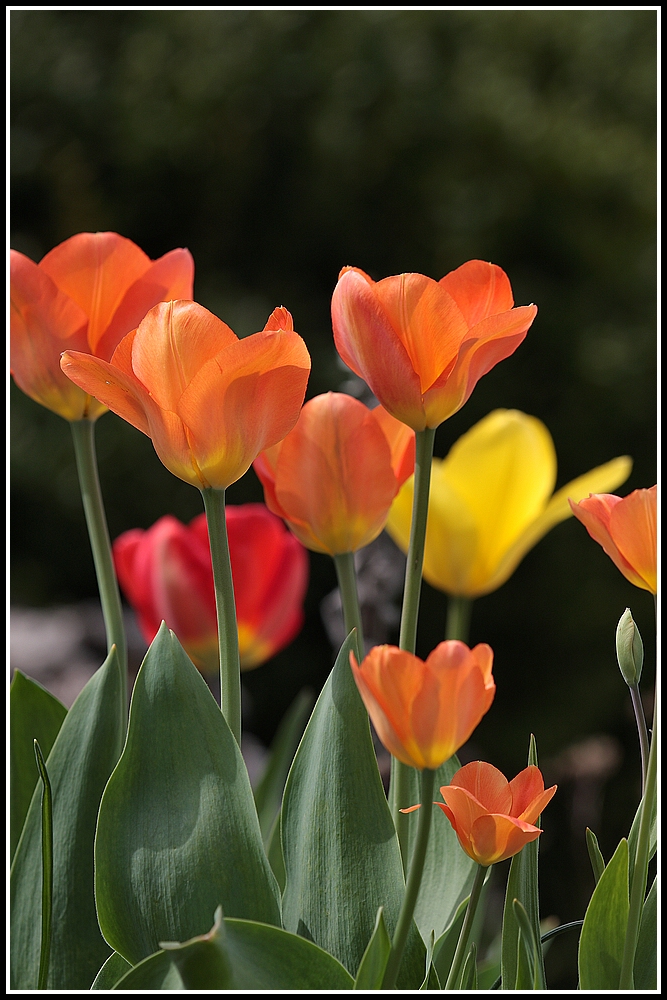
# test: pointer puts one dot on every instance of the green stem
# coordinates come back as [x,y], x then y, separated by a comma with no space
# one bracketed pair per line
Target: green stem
[461,947]
[459,610]
[399,785]
[638,886]
[228,636]
[347,584]
[47,869]
[413,883]
[83,435]
[641,728]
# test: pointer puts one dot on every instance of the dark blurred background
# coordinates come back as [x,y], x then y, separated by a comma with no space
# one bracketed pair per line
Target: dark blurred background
[281,145]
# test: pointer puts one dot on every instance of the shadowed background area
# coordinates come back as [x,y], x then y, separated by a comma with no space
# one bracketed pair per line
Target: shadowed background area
[280,146]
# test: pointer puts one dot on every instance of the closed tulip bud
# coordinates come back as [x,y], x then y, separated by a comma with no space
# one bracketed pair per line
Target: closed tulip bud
[629,649]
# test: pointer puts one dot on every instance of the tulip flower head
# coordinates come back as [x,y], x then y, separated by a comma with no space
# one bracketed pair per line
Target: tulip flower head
[422,345]
[626,528]
[209,401]
[491,501]
[166,575]
[492,817]
[334,476]
[85,295]
[424,710]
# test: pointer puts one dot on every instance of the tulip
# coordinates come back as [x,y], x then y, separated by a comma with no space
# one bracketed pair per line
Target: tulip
[334,476]
[85,295]
[492,817]
[422,345]
[209,401]
[166,575]
[424,710]
[626,528]
[491,502]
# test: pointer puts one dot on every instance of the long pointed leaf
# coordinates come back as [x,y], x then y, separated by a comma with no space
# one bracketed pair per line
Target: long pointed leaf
[375,958]
[603,934]
[113,969]
[342,858]
[445,946]
[528,952]
[595,854]
[81,760]
[646,955]
[34,714]
[178,832]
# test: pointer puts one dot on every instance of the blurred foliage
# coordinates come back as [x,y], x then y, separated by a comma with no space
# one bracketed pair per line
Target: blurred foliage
[281,145]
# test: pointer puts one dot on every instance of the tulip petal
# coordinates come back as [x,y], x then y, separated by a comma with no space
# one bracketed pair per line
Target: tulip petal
[531,813]
[633,524]
[369,345]
[479,290]
[122,393]
[495,838]
[265,468]
[488,785]
[463,810]
[388,681]
[595,513]
[526,788]
[401,440]
[169,277]
[96,270]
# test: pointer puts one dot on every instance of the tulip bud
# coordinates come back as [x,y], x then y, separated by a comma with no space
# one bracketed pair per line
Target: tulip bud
[629,649]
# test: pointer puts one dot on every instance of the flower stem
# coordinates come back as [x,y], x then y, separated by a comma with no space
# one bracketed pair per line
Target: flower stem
[83,435]
[413,883]
[228,636]
[641,728]
[459,610]
[347,584]
[460,953]
[47,869]
[638,887]
[399,784]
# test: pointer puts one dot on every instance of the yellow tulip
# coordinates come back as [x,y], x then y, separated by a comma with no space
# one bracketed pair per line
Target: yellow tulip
[491,501]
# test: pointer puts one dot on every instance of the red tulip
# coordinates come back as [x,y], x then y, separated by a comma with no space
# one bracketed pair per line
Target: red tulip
[422,345]
[493,818]
[85,295]
[335,475]
[166,574]
[626,528]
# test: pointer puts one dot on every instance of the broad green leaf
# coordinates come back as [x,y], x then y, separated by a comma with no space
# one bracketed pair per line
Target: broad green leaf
[603,934]
[178,831]
[646,955]
[469,974]
[375,958]
[445,946]
[448,871]
[528,951]
[82,757]
[595,854]
[113,969]
[269,791]
[274,852]
[342,859]
[522,884]
[259,957]
[34,714]
[633,836]
[430,945]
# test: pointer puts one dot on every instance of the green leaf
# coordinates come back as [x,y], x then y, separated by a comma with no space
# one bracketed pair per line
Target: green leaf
[113,969]
[430,971]
[253,956]
[445,946]
[82,757]
[448,871]
[528,951]
[633,836]
[469,974]
[178,831]
[595,854]
[603,934]
[522,884]
[646,955]
[269,791]
[342,858]
[375,958]
[47,870]
[34,714]
[274,852]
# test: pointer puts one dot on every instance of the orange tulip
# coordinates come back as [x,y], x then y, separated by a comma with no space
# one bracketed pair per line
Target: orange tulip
[85,295]
[493,817]
[422,345]
[424,710]
[334,477]
[209,401]
[626,528]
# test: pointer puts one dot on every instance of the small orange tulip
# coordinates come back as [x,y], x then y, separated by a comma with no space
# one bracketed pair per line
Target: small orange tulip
[85,295]
[209,401]
[626,528]
[422,345]
[493,817]
[424,710]
[335,475]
